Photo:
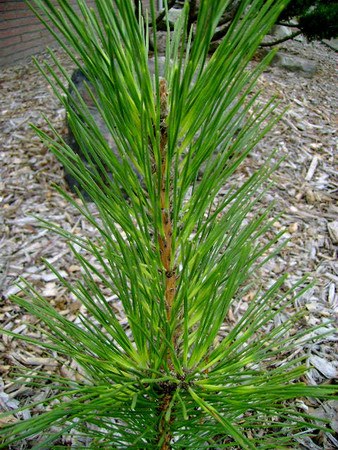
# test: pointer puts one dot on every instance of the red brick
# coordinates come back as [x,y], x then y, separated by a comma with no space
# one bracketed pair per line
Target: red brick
[19,47]
[12,6]
[26,37]
[25,21]
[25,32]
[8,15]
[8,33]
[33,27]
[10,41]
[47,40]
[16,57]
[20,30]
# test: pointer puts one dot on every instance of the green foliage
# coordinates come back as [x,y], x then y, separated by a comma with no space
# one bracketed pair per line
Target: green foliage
[174,254]
[321,22]
[296,8]
[316,19]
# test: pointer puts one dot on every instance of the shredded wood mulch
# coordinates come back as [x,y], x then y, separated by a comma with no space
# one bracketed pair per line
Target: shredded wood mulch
[305,188]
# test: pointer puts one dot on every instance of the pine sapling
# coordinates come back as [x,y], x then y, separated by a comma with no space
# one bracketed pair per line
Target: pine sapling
[175,254]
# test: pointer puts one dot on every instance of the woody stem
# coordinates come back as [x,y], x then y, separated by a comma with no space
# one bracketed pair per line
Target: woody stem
[165,244]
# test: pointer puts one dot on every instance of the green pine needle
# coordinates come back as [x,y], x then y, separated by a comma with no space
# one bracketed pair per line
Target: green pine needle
[175,255]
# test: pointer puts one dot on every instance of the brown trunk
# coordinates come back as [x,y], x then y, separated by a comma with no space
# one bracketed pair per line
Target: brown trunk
[163,432]
[165,243]
[192,13]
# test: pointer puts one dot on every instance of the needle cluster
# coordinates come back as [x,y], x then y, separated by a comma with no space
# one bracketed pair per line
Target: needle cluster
[175,254]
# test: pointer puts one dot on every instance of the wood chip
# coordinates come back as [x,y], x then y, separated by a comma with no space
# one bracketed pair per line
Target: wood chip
[325,367]
[333,231]
[312,168]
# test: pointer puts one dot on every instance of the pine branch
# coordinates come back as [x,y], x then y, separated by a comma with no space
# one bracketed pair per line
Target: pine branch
[280,41]
[192,13]
[290,25]
[164,437]
[165,242]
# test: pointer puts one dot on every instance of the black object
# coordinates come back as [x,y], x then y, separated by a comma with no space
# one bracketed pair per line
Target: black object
[82,83]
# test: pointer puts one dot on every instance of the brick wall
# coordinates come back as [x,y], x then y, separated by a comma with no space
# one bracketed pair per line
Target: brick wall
[21,33]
